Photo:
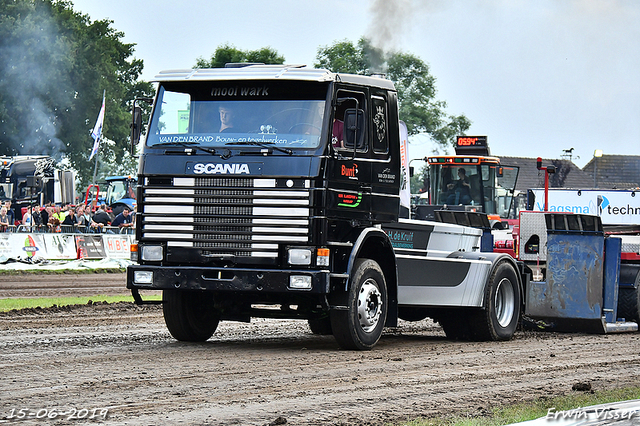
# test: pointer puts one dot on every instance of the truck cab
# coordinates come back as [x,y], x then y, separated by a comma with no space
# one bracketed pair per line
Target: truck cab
[256,183]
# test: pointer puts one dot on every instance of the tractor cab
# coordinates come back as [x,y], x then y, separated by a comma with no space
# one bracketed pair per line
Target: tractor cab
[471,179]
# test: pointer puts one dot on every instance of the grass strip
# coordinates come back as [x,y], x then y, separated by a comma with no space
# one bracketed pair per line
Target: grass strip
[42,302]
[532,410]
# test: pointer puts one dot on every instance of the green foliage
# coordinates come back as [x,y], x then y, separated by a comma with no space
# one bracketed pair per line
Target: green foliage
[55,64]
[530,410]
[419,108]
[229,54]
[418,181]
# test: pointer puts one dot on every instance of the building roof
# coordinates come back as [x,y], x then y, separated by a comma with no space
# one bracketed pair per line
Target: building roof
[615,171]
[567,174]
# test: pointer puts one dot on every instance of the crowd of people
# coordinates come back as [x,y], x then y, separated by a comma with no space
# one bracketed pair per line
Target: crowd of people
[80,218]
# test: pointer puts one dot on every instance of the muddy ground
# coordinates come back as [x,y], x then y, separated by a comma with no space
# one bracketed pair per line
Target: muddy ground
[118,365]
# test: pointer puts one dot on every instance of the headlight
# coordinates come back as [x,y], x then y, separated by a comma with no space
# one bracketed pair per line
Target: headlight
[143,277]
[151,253]
[299,256]
[300,282]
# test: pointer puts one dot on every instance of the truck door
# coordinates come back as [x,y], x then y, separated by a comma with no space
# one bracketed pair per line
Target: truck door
[348,168]
[384,157]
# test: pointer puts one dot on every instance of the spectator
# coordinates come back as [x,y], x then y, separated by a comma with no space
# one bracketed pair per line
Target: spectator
[36,218]
[124,219]
[84,218]
[54,224]
[4,219]
[100,219]
[44,216]
[70,221]
[27,219]
[10,214]
[58,214]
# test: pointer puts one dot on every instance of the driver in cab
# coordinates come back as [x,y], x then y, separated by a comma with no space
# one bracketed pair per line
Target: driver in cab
[460,190]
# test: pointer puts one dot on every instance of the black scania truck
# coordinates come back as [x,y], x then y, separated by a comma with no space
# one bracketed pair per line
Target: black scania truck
[274,191]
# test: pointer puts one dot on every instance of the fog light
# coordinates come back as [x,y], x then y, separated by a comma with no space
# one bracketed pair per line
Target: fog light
[143,277]
[151,253]
[300,282]
[299,257]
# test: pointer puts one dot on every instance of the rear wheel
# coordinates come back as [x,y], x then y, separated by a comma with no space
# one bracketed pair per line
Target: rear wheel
[190,316]
[629,298]
[499,318]
[629,304]
[360,325]
[456,324]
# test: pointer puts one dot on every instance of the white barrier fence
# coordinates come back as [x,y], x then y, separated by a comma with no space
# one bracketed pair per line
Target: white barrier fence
[59,246]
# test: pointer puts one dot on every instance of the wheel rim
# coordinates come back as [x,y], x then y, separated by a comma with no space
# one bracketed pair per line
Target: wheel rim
[504,302]
[369,305]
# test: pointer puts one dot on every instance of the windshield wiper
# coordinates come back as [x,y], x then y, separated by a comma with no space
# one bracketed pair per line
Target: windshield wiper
[224,155]
[263,145]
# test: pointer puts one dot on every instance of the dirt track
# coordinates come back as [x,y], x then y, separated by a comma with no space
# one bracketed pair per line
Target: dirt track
[121,358]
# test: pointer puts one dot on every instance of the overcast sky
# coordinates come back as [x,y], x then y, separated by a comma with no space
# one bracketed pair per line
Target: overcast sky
[536,76]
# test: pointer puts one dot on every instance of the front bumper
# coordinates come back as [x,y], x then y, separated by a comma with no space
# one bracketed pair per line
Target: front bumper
[227,279]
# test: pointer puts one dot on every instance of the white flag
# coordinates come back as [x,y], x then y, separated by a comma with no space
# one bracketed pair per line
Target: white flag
[96,133]
[405,182]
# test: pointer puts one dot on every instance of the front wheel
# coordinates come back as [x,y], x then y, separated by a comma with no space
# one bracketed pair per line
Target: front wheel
[360,325]
[502,299]
[320,326]
[190,316]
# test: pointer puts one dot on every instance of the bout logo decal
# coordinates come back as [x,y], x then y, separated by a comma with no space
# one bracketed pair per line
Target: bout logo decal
[350,172]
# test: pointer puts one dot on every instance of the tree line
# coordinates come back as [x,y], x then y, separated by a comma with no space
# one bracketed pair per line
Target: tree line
[56,63]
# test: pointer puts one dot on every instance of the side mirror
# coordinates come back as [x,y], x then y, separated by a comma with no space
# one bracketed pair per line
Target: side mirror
[136,127]
[136,123]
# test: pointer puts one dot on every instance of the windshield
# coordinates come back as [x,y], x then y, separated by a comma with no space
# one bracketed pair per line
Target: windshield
[474,185]
[211,119]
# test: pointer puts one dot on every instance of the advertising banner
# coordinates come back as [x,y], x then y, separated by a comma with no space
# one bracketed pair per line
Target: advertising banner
[117,246]
[615,207]
[90,246]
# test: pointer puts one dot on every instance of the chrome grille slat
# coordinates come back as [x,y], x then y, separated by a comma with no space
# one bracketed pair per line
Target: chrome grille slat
[227,215]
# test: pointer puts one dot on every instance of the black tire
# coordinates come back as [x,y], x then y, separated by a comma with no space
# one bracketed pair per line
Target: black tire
[629,304]
[190,316]
[499,317]
[360,326]
[412,314]
[456,324]
[320,326]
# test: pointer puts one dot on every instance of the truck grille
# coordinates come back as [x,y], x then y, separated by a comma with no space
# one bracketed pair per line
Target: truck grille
[227,216]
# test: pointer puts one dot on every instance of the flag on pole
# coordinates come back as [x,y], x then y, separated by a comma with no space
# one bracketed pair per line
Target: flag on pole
[405,179]
[96,133]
